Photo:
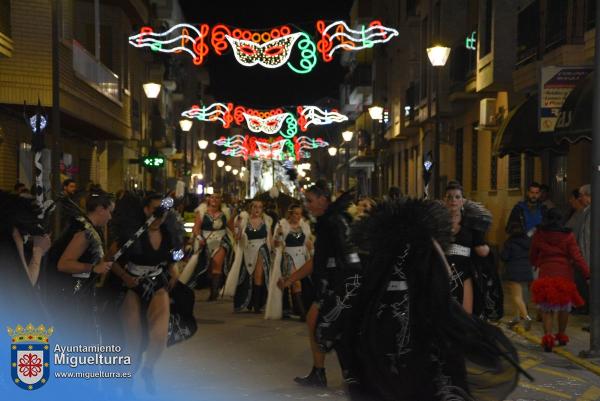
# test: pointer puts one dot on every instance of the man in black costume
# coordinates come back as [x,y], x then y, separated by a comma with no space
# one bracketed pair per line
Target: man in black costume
[400,333]
[336,265]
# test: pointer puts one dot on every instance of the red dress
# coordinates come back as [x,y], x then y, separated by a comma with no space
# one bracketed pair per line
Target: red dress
[555,253]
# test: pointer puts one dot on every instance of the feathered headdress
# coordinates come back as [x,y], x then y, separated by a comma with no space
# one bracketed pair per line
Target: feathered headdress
[20,212]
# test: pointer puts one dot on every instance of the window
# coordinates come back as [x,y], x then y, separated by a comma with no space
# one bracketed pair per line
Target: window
[459,154]
[411,8]
[5,18]
[474,153]
[493,165]
[486,32]
[528,33]
[590,14]
[556,23]
[514,171]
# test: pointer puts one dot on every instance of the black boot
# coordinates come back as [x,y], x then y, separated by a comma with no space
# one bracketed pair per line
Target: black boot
[316,378]
[286,307]
[215,285]
[257,297]
[300,306]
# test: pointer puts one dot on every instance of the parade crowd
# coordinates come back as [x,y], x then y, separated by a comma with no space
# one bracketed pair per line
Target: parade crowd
[404,290]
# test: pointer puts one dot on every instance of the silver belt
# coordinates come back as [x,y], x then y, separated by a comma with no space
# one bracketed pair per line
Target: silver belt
[459,250]
[146,271]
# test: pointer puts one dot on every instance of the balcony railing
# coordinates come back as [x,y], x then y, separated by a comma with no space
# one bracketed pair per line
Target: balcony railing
[95,73]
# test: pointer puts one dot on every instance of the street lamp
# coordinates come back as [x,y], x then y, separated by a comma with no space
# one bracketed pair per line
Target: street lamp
[332,151]
[185,125]
[212,155]
[220,163]
[228,168]
[438,55]
[376,112]
[203,144]
[347,135]
[235,171]
[151,90]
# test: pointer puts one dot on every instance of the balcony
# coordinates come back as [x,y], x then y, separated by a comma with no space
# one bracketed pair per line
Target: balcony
[95,74]
[360,82]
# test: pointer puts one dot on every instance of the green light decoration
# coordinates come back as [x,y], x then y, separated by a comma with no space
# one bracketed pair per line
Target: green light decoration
[153,161]
[471,41]
[308,55]
[292,127]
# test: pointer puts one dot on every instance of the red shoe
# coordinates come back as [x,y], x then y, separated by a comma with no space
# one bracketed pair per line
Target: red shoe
[548,342]
[562,338]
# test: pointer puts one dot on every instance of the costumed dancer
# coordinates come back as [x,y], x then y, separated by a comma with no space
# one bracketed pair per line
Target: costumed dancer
[18,219]
[148,271]
[335,264]
[293,250]
[411,340]
[213,245]
[78,257]
[468,231]
[249,274]
[553,251]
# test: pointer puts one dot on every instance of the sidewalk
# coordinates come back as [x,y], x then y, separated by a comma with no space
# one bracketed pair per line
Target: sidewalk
[579,339]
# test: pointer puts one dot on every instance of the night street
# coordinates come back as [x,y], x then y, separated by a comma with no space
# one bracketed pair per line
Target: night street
[361,200]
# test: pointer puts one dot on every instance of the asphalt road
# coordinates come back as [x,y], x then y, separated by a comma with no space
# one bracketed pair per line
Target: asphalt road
[244,357]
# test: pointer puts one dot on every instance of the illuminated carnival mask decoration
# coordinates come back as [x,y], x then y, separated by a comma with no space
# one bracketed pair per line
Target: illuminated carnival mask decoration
[270,125]
[272,54]
[279,148]
[270,122]
[270,48]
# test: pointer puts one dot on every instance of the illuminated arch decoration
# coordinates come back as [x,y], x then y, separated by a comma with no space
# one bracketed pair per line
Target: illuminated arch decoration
[271,48]
[278,148]
[277,121]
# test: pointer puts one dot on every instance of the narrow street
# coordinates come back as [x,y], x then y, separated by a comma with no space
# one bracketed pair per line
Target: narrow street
[244,357]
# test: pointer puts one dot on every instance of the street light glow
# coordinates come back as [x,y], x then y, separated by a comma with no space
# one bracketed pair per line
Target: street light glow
[185,125]
[438,55]
[347,135]
[212,155]
[332,151]
[235,171]
[228,168]
[220,163]
[151,90]
[376,112]
[203,144]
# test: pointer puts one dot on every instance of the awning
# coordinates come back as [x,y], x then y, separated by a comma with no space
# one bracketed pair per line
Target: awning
[575,118]
[519,133]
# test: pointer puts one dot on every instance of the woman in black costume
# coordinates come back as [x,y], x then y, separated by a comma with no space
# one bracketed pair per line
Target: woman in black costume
[411,340]
[19,218]
[78,257]
[148,272]
[468,241]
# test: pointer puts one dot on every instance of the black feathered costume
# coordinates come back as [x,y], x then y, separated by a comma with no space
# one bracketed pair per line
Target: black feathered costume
[411,341]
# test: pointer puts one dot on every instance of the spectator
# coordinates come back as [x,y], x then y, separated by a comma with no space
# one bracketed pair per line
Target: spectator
[545,197]
[554,251]
[66,207]
[583,233]
[528,213]
[20,188]
[519,272]
[575,211]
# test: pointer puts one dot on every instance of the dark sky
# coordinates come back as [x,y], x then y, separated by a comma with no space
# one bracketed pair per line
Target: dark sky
[257,86]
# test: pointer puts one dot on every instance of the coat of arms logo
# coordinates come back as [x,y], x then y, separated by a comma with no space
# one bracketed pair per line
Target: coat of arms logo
[30,355]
